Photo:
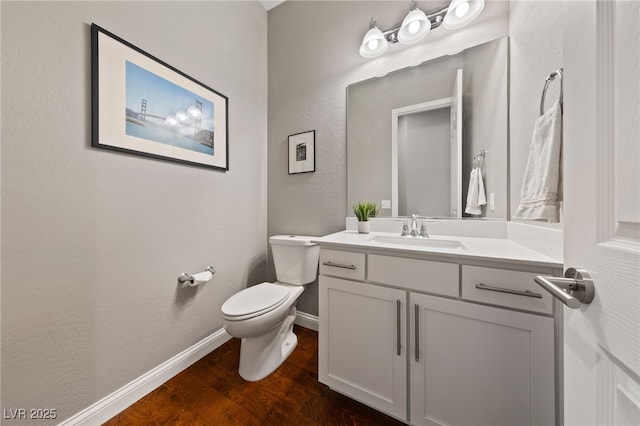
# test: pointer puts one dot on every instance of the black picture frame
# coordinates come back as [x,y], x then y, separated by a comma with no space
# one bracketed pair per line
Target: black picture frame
[302,152]
[142,105]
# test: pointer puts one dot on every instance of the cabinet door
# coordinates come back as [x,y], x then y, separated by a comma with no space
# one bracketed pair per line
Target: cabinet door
[478,365]
[362,343]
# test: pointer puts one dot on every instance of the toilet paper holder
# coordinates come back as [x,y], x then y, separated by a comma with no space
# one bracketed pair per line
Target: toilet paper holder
[186,278]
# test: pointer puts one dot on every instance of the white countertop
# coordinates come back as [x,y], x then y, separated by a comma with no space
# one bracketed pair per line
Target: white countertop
[470,248]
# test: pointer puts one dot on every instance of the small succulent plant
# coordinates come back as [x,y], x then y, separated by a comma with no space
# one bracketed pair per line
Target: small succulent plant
[365,210]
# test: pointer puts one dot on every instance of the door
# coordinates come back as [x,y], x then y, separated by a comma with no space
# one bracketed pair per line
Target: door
[456,146]
[362,343]
[602,211]
[479,365]
[414,187]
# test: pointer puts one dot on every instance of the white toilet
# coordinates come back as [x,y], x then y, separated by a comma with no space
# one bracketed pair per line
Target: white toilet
[262,315]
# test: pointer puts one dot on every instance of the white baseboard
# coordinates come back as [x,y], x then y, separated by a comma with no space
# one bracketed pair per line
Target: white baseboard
[114,403]
[307,320]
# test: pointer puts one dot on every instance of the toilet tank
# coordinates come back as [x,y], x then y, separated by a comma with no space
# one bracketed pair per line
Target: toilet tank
[295,258]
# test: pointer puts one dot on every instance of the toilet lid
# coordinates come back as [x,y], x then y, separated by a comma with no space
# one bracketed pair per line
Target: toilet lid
[255,300]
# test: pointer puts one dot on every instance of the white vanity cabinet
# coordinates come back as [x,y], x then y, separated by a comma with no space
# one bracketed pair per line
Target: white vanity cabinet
[426,342]
[479,365]
[363,343]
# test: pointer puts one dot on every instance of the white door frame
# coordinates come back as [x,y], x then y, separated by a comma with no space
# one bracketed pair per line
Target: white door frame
[396,113]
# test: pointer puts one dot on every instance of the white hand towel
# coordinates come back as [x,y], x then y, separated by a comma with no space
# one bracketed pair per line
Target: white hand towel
[475,195]
[540,194]
[482,197]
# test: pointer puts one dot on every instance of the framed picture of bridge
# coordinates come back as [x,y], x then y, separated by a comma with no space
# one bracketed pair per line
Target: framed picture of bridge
[141,105]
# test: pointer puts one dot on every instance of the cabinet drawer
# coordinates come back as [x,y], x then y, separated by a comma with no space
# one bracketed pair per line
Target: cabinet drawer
[414,274]
[506,288]
[343,264]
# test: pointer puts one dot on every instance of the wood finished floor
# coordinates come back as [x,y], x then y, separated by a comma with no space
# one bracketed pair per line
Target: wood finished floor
[211,392]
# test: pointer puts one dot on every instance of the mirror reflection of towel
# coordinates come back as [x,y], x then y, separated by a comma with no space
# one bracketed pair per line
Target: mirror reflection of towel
[540,195]
[475,196]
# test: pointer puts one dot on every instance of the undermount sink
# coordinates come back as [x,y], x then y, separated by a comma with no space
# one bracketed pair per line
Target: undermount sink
[419,241]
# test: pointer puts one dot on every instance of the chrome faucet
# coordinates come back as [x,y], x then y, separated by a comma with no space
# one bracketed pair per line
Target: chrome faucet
[414,226]
[423,231]
[405,229]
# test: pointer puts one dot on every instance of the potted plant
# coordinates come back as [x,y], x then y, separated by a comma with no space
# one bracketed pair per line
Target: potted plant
[363,211]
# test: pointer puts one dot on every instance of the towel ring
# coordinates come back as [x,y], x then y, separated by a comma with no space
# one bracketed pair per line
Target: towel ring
[552,76]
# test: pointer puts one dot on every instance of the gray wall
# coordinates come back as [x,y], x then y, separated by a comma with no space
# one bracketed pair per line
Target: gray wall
[313,56]
[92,240]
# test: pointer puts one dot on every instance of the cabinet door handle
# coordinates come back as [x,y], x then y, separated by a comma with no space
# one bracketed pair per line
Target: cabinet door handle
[527,293]
[417,328]
[398,331]
[339,265]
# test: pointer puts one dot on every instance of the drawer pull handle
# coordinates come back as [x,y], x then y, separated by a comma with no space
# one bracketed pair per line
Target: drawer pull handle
[527,293]
[398,331]
[417,327]
[339,265]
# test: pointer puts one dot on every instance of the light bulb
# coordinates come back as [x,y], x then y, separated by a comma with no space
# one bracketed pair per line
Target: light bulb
[461,13]
[374,42]
[414,27]
[462,9]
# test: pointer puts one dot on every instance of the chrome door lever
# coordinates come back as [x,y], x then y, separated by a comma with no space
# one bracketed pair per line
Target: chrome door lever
[573,290]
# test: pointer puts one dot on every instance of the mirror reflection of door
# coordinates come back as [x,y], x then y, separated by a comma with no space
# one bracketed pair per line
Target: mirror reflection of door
[423,136]
[420,134]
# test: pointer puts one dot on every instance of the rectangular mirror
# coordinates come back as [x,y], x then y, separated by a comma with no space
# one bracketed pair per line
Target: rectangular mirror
[412,135]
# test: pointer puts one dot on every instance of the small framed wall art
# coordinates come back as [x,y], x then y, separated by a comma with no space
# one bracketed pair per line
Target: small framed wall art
[302,152]
[144,106]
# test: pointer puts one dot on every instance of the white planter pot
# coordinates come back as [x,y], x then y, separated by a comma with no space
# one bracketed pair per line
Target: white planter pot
[364,227]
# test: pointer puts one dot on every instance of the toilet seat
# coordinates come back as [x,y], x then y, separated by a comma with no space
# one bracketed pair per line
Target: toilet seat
[254,301]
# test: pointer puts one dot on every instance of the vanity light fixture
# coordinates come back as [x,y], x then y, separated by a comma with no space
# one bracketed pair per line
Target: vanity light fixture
[416,25]
[461,12]
[374,42]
